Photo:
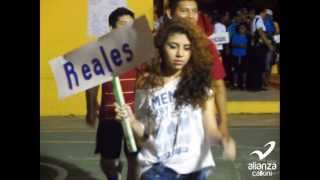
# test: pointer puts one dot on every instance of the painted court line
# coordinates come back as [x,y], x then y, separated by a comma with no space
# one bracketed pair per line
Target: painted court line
[237,170]
[254,127]
[84,159]
[67,142]
[254,148]
[68,131]
[62,173]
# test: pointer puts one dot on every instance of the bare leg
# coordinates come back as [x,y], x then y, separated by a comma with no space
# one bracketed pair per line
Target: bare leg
[132,167]
[235,80]
[244,80]
[111,168]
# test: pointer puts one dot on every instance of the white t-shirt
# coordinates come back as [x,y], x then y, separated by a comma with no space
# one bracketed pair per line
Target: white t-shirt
[219,28]
[178,138]
[257,23]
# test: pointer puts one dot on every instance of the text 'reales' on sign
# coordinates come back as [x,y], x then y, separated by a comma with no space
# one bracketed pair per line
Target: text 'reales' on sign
[220,38]
[97,62]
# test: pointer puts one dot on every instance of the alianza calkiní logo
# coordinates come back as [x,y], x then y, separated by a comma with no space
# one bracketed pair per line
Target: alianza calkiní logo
[263,168]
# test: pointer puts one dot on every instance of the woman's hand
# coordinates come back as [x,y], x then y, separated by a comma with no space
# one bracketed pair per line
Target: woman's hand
[229,148]
[124,112]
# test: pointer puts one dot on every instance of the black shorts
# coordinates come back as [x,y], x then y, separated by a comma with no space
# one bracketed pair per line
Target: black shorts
[239,64]
[109,139]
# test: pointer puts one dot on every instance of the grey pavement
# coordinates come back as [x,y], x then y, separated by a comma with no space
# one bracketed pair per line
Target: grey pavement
[272,94]
[67,146]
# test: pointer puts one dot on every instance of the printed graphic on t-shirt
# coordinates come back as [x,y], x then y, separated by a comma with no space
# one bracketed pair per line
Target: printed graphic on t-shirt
[170,126]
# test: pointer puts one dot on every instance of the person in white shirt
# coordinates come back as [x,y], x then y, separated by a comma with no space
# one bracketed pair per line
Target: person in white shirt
[174,125]
[260,46]
[219,27]
[257,23]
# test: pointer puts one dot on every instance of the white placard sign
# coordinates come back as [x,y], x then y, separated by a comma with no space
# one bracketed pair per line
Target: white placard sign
[220,38]
[95,63]
[276,38]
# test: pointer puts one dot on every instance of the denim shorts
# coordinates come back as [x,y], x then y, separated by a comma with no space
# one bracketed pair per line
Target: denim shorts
[160,172]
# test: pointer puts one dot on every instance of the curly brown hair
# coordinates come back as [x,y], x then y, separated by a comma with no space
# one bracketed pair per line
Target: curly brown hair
[195,76]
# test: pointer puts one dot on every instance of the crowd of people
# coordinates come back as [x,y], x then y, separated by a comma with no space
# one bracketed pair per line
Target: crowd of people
[254,45]
[248,58]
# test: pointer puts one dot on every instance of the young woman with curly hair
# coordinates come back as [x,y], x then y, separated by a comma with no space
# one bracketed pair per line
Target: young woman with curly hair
[175,124]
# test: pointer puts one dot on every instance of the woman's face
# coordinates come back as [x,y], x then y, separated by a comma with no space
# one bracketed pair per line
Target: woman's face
[177,51]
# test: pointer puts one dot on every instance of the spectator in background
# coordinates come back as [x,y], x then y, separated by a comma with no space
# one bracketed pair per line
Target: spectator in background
[219,27]
[270,30]
[247,21]
[159,14]
[260,46]
[239,43]
[157,18]
[251,15]
[276,38]
[238,13]
[268,22]
[226,18]
[215,12]
[244,11]
[242,15]
[277,45]
[232,27]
